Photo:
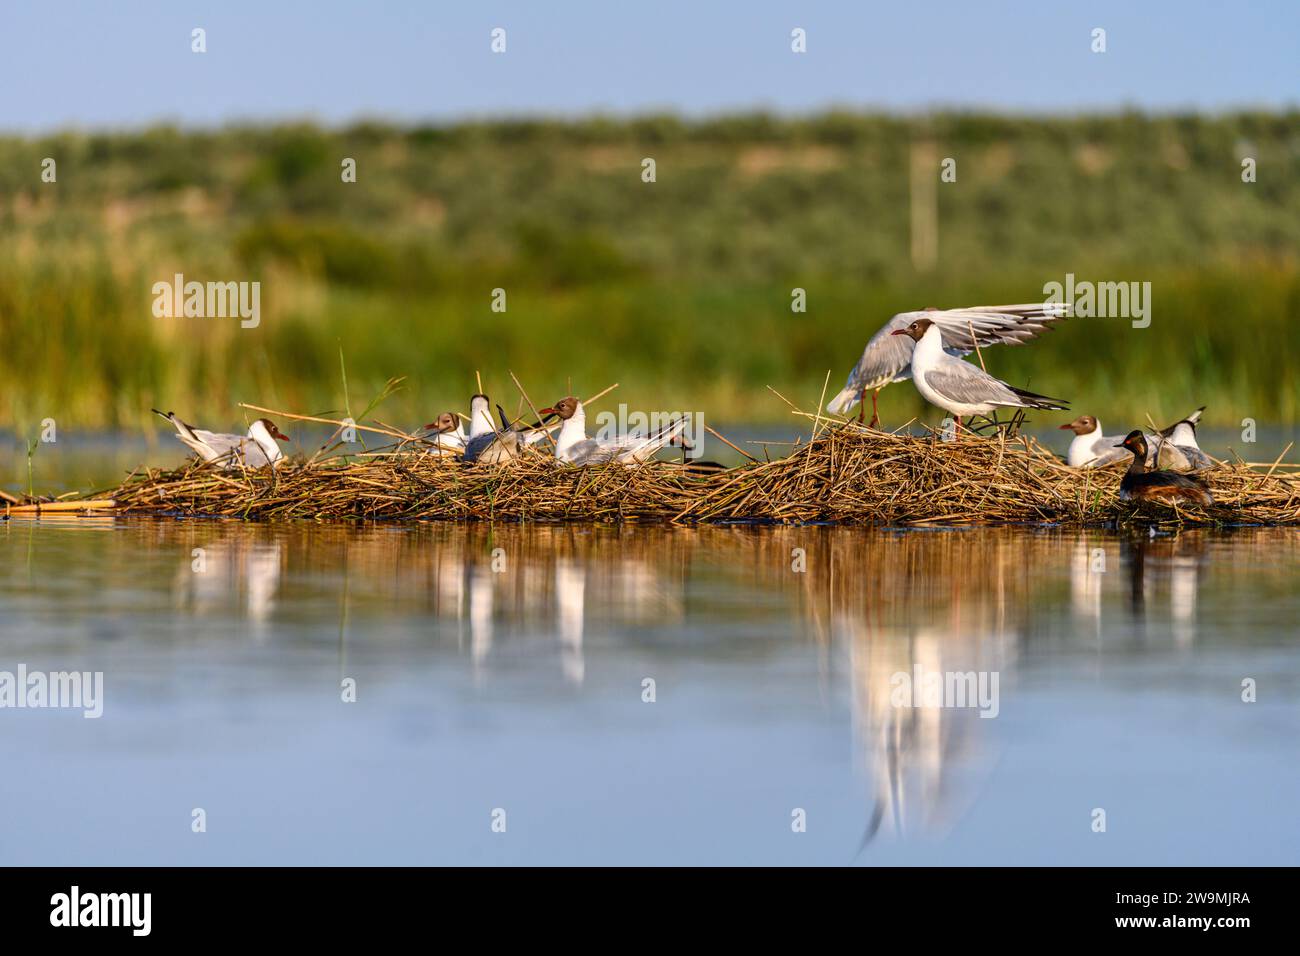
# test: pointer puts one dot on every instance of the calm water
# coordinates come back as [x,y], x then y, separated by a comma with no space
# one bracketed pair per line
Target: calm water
[506,669]
[514,680]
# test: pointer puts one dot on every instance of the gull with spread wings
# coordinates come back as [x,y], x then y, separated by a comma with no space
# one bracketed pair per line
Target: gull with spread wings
[958,387]
[888,357]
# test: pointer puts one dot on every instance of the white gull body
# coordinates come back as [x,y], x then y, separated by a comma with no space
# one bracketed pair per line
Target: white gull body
[1094,449]
[257,449]
[573,445]
[957,386]
[482,431]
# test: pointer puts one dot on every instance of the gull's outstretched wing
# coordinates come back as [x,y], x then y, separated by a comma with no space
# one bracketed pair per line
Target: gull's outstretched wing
[887,357]
[992,324]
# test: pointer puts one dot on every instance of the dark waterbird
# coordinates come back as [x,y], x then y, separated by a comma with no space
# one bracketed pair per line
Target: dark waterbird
[1168,487]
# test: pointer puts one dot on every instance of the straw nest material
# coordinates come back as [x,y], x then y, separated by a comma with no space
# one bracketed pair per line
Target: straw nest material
[847,475]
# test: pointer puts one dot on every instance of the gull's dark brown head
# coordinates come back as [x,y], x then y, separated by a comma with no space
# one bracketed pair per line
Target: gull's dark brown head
[915,330]
[565,408]
[1135,442]
[446,422]
[1083,425]
[272,430]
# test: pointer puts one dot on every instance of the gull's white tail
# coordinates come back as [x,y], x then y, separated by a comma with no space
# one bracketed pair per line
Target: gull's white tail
[845,400]
[645,450]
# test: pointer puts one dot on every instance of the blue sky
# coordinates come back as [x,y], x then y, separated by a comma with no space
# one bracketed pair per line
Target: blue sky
[129,63]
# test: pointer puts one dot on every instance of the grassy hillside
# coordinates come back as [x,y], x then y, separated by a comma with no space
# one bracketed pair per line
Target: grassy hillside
[679,289]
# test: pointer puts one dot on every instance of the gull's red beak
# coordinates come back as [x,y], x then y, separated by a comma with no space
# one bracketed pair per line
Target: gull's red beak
[276,433]
[1066,428]
[899,332]
[547,411]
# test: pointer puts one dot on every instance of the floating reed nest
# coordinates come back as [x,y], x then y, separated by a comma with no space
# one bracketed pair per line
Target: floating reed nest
[846,475]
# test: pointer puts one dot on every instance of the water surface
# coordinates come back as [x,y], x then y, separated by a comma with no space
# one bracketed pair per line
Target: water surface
[505,669]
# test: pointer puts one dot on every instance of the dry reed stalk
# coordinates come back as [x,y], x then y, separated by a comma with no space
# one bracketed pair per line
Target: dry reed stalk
[44,507]
[729,444]
[390,432]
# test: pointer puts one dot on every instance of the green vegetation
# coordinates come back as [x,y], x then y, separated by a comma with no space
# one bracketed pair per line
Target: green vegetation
[678,289]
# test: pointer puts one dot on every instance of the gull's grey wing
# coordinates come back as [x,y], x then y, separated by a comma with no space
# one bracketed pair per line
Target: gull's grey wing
[961,382]
[992,324]
[253,455]
[537,434]
[478,444]
[1103,456]
[887,357]
[231,450]
[194,444]
[644,449]
[217,441]
[589,451]
[493,449]
[1178,458]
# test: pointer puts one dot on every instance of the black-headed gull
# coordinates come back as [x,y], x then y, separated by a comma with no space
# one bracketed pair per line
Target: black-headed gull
[254,450]
[448,435]
[484,442]
[480,418]
[573,445]
[888,358]
[493,446]
[483,433]
[1177,448]
[959,387]
[1090,448]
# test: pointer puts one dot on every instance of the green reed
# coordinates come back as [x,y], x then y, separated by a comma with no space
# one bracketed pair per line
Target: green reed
[680,289]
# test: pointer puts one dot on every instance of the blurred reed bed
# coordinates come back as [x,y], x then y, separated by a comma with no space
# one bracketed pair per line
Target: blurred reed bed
[680,289]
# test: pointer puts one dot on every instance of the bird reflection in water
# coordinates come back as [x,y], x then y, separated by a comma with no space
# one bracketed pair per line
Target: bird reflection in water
[570,592]
[1159,564]
[481,600]
[232,572]
[914,608]
[870,606]
[515,583]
